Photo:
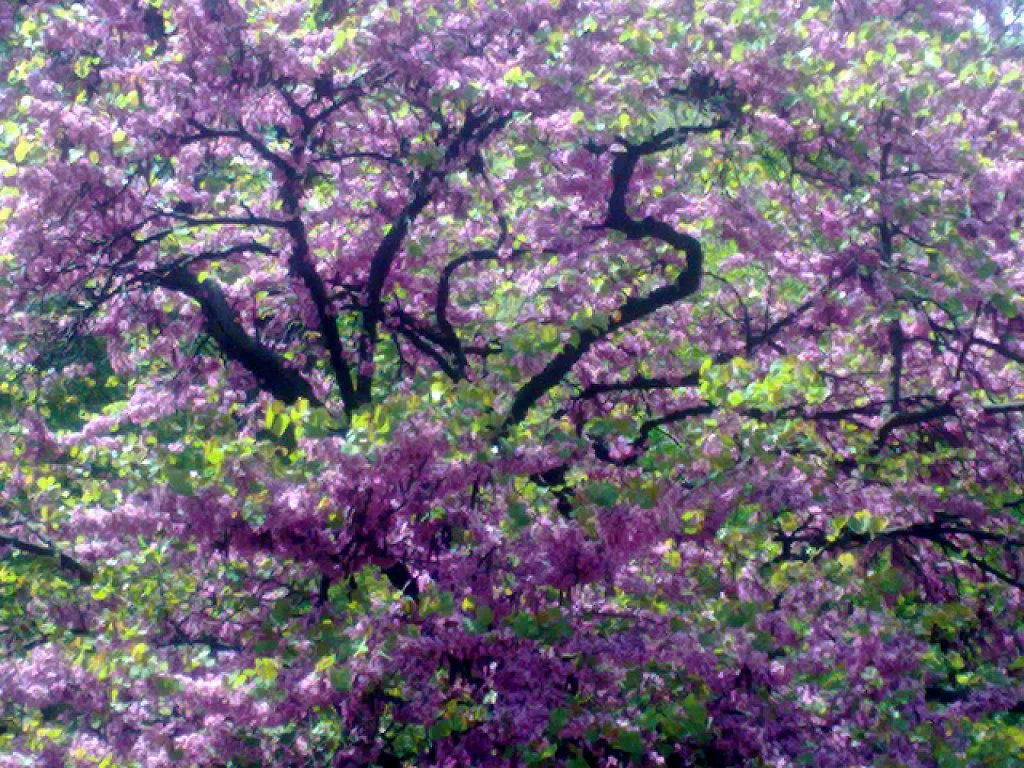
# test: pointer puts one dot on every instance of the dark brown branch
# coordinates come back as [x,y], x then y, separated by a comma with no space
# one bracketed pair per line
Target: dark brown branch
[210,221]
[301,266]
[275,377]
[224,253]
[380,267]
[816,545]
[348,94]
[677,136]
[182,640]
[340,157]
[692,379]
[555,371]
[295,108]
[792,412]
[476,128]
[601,449]
[896,345]
[402,580]
[909,419]
[240,134]
[452,344]
[554,480]
[299,260]
[420,343]
[64,562]
[1005,408]
[632,309]
[1002,349]
[618,218]
[639,384]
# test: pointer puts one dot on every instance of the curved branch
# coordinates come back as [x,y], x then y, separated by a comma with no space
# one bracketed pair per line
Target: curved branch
[301,266]
[419,342]
[909,419]
[451,340]
[380,268]
[284,383]
[672,417]
[476,128]
[817,545]
[204,133]
[630,311]
[639,384]
[64,562]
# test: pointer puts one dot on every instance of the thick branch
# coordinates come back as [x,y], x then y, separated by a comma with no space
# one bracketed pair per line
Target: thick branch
[212,221]
[476,129]
[817,545]
[909,419]
[632,309]
[240,134]
[639,384]
[673,417]
[1015,407]
[301,266]
[692,379]
[419,342]
[451,340]
[1003,349]
[897,342]
[629,312]
[380,267]
[269,369]
[64,562]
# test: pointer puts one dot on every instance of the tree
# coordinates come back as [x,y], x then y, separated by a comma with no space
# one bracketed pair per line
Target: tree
[539,383]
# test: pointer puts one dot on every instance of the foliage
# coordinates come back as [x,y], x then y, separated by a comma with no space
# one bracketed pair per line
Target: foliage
[555,382]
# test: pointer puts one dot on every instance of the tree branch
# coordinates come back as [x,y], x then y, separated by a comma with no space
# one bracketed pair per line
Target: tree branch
[380,267]
[204,133]
[935,532]
[639,384]
[301,266]
[275,377]
[451,340]
[908,419]
[630,311]
[476,128]
[64,562]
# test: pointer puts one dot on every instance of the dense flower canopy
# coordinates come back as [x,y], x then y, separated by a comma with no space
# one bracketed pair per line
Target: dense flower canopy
[545,382]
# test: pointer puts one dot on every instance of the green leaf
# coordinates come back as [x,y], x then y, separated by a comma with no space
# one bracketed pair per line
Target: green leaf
[518,516]
[481,623]
[603,494]
[440,729]
[341,679]
[164,685]
[514,76]
[1005,306]
[266,669]
[631,742]
[696,716]
[180,481]
[557,720]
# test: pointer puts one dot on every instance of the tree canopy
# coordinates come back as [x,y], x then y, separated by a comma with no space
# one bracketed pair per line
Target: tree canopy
[533,383]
